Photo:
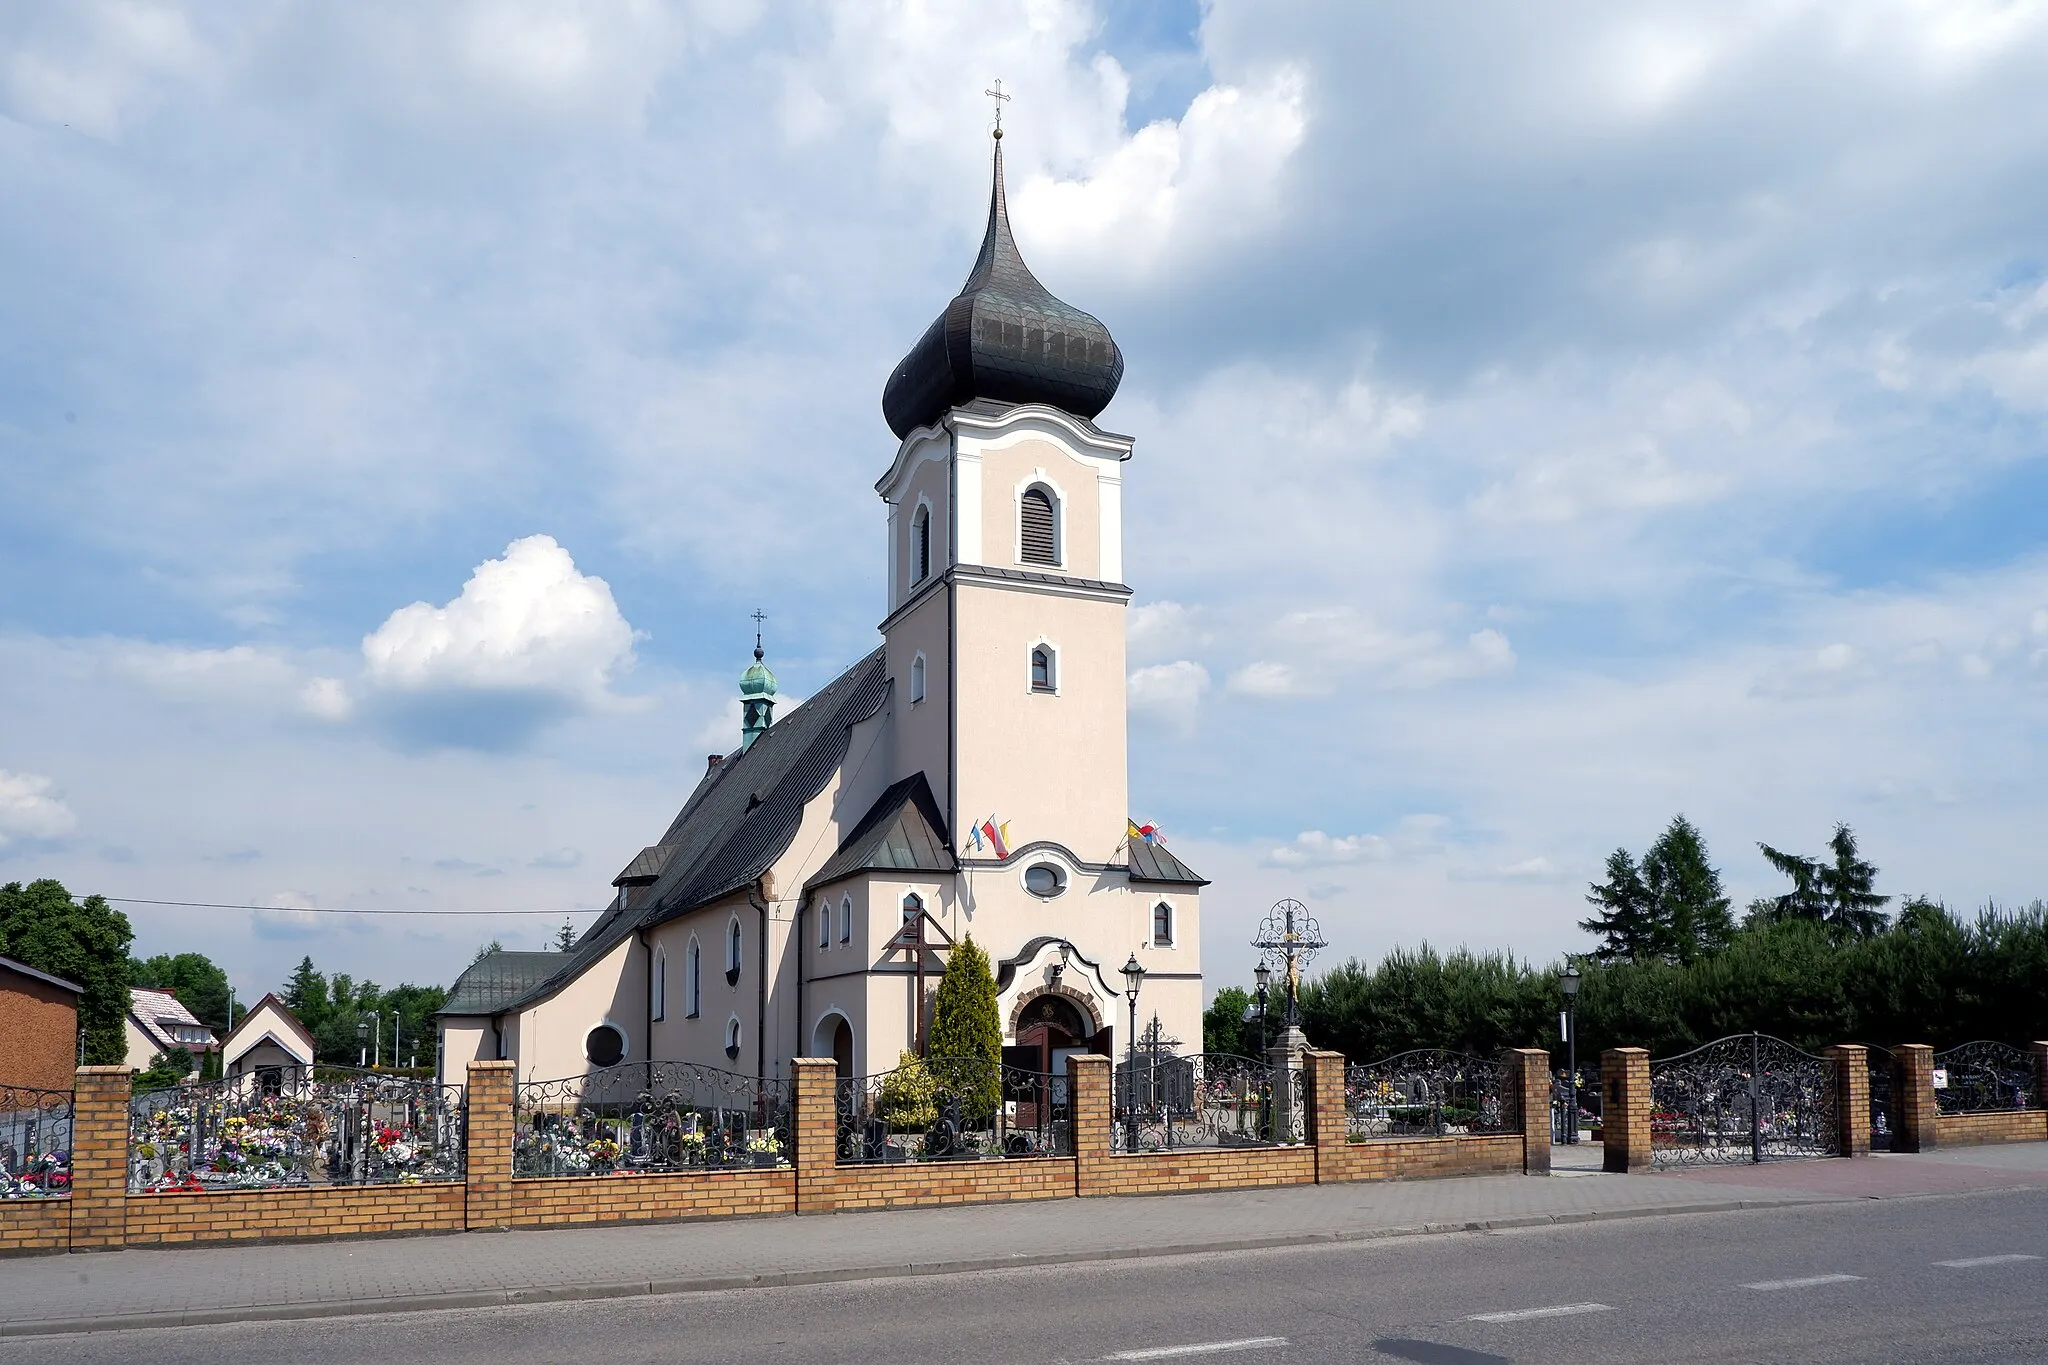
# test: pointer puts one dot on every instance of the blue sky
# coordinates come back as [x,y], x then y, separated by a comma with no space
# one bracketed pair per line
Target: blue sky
[1546,423]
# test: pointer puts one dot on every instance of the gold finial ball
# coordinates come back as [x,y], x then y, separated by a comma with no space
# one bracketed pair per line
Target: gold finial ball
[997,135]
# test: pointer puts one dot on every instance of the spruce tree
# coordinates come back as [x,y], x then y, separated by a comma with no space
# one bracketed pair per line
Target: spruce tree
[1688,908]
[1625,924]
[1804,900]
[305,995]
[565,937]
[967,1029]
[1849,887]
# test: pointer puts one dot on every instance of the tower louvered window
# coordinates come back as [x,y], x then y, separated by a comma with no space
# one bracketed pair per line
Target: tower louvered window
[921,545]
[1040,528]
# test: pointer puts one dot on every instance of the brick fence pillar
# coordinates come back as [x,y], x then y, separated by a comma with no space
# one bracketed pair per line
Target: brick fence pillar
[99,1158]
[487,1157]
[1851,1082]
[1529,1079]
[1323,1079]
[1089,1113]
[1625,1109]
[814,1123]
[1913,1107]
[2040,1051]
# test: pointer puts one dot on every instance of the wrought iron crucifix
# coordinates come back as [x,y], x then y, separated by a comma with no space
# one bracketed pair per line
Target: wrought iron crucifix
[1001,99]
[1289,939]
[759,617]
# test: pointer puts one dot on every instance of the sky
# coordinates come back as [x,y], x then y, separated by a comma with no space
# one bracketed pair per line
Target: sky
[1548,421]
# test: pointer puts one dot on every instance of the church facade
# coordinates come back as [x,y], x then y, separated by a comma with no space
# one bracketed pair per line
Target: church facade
[967,777]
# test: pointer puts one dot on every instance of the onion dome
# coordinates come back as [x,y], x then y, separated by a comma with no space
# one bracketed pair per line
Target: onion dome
[757,700]
[758,680]
[1004,337]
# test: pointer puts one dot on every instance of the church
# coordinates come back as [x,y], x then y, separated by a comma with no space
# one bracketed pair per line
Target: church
[970,776]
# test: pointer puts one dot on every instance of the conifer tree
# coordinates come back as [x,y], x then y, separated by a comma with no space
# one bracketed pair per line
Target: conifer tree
[1625,923]
[966,1028]
[1688,908]
[1840,894]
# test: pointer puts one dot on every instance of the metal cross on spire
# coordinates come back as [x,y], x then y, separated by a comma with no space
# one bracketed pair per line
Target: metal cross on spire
[759,617]
[1289,939]
[1001,99]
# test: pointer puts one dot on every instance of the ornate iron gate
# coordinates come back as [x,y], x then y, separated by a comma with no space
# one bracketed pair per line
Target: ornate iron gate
[1747,1097]
[1883,1118]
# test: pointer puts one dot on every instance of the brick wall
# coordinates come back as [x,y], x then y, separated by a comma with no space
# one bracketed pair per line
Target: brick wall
[487,1158]
[1852,1098]
[1978,1130]
[1202,1168]
[1529,1074]
[1625,1109]
[40,1023]
[285,1214]
[912,1184]
[32,1225]
[1913,1108]
[651,1198]
[99,1157]
[1422,1158]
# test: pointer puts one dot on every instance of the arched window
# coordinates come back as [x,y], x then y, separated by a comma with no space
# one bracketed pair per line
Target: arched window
[921,544]
[1038,535]
[846,919]
[693,981]
[658,1007]
[917,679]
[1162,925]
[913,918]
[732,1038]
[733,940]
[1045,669]
[825,925]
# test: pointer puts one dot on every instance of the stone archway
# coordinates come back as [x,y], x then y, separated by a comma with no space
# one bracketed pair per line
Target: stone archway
[833,1037]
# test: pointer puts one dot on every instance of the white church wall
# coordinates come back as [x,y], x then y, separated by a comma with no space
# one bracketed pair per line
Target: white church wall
[548,1039]
[1030,450]
[463,1039]
[920,732]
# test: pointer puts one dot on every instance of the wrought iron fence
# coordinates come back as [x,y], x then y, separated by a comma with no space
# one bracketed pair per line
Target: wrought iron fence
[1428,1093]
[1206,1099]
[286,1128]
[1881,1064]
[1986,1078]
[648,1117]
[1747,1097]
[35,1143]
[953,1109]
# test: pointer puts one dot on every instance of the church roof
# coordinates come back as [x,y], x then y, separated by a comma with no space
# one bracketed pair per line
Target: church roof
[739,820]
[903,829]
[1150,862]
[1004,337]
[495,980]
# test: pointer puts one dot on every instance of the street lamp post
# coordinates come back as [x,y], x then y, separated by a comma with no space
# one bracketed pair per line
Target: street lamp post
[1569,983]
[1263,976]
[363,1042]
[1134,977]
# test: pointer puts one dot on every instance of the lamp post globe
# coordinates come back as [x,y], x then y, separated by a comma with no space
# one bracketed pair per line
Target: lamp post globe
[1569,983]
[1262,976]
[1134,978]
[363,1038]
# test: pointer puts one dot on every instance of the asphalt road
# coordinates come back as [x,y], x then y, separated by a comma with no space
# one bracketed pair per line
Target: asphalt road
[1837,1282]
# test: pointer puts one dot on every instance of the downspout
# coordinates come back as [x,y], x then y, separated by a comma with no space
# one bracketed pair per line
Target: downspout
[953,653]
[802,932]
[755,899]
[647,1038]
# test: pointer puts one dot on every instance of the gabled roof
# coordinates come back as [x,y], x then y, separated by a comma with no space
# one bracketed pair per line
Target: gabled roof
[270,1006]
[739,820]
[903,829]
[496,979]
[1150,862]
[11,965]
[157,1012]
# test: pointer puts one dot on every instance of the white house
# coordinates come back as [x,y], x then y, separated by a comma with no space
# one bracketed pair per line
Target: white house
[157,1023]
[268,1043]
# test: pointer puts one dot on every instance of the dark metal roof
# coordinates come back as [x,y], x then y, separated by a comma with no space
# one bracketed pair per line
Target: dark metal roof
[1152,863]
[1005,337]
[11,965]
[495,980]
[903,829]
[645,867]
[738,821]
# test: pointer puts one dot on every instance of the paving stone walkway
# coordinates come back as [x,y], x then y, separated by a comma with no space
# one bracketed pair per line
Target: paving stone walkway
[213,1284]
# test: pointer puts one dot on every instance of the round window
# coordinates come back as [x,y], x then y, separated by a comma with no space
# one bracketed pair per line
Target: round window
[1044,879]
[604,1046]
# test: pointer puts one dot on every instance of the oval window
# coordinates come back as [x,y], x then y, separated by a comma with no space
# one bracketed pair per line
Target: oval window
[1044,879]
[604,1046]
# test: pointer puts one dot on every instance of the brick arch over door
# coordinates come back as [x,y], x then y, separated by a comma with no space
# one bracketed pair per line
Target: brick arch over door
[1081,1000]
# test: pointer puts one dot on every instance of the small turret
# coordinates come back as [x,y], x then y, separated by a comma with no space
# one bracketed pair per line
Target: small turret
[757,696]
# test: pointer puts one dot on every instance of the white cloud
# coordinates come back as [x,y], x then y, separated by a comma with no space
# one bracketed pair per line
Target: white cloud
[326,699]
[30,809]
[1314,848]
[526,622]
[1268,678]
[1170,692]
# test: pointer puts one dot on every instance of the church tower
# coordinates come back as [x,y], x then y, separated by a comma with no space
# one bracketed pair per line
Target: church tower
[1005,628]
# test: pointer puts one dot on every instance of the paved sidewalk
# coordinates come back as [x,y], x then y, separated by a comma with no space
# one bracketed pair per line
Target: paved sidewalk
[215,1284]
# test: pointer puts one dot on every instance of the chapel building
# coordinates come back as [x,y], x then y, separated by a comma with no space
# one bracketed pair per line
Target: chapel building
[967,777]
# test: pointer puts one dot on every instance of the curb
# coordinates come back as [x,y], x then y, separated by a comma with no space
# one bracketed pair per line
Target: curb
[497,1298]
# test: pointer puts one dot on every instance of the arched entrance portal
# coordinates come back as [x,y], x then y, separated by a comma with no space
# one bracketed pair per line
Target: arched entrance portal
[1049,1029]
[834,1038]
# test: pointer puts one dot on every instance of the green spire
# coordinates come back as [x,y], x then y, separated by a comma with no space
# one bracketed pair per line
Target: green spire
[757,695]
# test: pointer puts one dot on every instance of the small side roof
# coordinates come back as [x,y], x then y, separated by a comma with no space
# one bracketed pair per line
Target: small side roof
[1150,862]
[9,964]
[903,829]
[495,980]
